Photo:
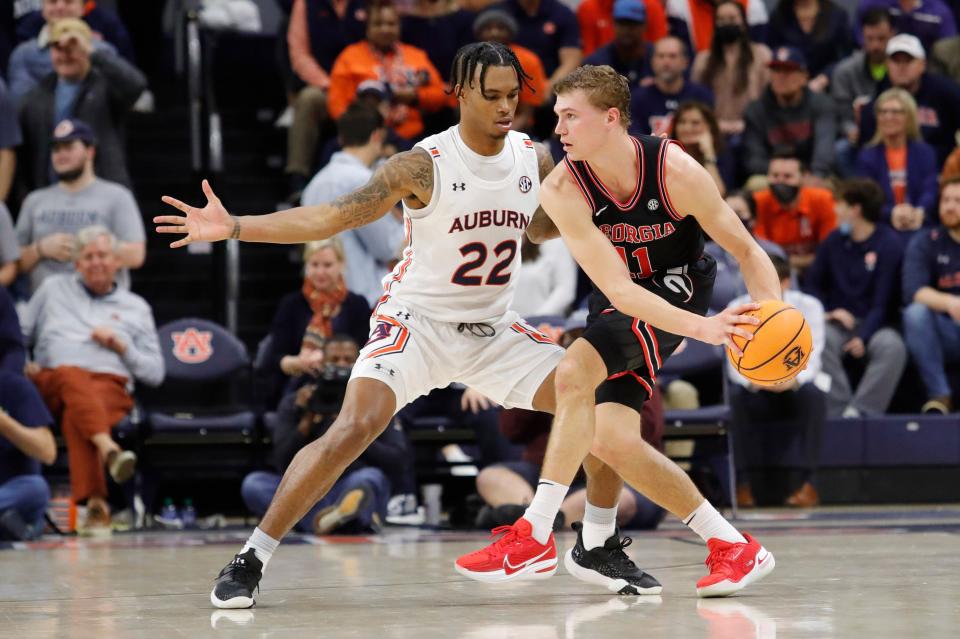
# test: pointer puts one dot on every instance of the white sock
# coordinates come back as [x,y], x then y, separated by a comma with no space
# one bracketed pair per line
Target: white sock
[599,524]
[543,509]
[263,546]
[709,524]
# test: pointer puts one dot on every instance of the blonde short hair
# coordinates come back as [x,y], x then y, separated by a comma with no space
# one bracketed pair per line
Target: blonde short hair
[310,248]
[909,106]
[604,88]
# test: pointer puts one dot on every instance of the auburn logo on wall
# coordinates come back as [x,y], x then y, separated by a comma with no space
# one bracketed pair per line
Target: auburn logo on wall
[192,346]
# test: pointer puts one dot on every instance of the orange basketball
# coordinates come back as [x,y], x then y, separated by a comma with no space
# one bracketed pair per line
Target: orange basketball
[780,346]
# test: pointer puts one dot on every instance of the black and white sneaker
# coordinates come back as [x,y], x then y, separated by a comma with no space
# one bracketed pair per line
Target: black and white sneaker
[237,581]
[609,566]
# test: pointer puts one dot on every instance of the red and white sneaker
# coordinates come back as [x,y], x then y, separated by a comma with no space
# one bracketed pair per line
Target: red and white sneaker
[733,567]
[516,555]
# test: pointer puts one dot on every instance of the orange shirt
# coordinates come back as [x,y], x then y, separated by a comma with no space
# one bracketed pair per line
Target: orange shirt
[532,66]
[406,66]
[596,23]
[951,168]
[897,168]
[798,230]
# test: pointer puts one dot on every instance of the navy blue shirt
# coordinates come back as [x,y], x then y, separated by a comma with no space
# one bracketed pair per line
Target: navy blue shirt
[651,108]
[937,113]
[552,27]
[329,35]
[633,70]
[932,259]
[439,36]
[860,277]
[829,42]
[22,401]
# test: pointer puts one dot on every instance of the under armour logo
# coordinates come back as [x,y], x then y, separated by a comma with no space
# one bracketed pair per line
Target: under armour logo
[459,186]
[402,315]
[380,367]
[792,359]
[653,205]
[943,259]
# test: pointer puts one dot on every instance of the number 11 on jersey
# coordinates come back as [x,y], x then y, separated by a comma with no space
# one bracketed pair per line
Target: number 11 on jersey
[643,260]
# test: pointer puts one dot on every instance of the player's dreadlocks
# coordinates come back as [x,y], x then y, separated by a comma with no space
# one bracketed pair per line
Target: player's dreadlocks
[484,55]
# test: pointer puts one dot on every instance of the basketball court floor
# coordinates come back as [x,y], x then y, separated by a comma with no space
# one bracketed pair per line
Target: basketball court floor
[858,573]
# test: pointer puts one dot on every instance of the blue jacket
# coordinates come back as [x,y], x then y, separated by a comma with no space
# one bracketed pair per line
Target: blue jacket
[921,176]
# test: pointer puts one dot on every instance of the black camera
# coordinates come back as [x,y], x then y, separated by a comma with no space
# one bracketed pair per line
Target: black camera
[331,384]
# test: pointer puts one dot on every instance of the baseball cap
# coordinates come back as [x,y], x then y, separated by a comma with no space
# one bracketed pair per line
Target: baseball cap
[633,10]
[72,129]
[788,58]
[491,16]
[373,87]
[69,27]
[906,43]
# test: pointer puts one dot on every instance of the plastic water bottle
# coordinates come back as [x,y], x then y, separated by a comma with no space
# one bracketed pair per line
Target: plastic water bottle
[188,514]
[169,517]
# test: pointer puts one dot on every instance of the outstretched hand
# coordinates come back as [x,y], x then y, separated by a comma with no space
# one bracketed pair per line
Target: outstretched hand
[212,223]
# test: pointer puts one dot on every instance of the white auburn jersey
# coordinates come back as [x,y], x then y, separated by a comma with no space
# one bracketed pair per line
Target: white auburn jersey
[463,248]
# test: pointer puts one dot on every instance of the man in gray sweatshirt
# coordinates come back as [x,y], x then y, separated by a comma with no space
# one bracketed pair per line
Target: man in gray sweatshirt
[91,339]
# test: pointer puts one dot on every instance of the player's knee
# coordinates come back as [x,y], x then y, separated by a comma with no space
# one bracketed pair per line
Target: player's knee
[572,380]
[359,428]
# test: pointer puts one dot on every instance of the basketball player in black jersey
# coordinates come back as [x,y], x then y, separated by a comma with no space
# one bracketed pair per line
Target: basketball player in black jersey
[631,211]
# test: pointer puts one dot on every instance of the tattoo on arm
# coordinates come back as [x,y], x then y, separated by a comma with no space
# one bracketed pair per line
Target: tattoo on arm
[541,227]
[404,174]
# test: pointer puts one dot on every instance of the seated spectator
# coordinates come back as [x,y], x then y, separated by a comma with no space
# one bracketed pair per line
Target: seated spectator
[931,291]
[799,403]
[900,161]
[30,61]
[734,68]
[322,308]
[789,116]
[25,442]
[652,106]
[439,27]
[494,25]
[550,30]
[91,339]
[696,128]
[819,29]
[368,250]
[411,78]
[856,78]
[357,502]
[692,21]
[795,216]
[9,248]
[945,58]
[730,283]
[91,85]
[937,96]
[855,276]
[627,51]
[547,283]
[50,217]
[507,488]
[10,138]
[598,23]
[318,31]
[928,20]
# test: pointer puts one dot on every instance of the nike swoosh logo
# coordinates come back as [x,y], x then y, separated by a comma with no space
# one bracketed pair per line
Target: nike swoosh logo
[510,568]
[762,559]
[600,211]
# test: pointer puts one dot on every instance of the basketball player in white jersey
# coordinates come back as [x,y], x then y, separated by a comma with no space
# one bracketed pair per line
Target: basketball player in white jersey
[468,195]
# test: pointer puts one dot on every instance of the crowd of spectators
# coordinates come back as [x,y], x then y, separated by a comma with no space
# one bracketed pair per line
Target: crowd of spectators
[832,129]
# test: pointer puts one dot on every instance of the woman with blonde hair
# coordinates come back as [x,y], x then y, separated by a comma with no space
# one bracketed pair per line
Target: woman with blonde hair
[323,307]
[902,164]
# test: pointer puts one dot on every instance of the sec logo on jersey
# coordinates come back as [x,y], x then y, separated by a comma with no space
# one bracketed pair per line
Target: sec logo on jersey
[525,184]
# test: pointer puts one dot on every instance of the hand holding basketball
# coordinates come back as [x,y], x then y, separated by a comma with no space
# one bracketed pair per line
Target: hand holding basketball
[722,327]
[780,347]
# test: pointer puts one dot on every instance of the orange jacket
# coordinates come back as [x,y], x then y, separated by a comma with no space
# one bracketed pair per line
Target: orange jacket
[798,230]
[596,23]
[532,66]
[406,66]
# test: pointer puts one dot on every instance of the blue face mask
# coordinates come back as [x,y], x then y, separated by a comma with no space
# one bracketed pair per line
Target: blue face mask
[845,228]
